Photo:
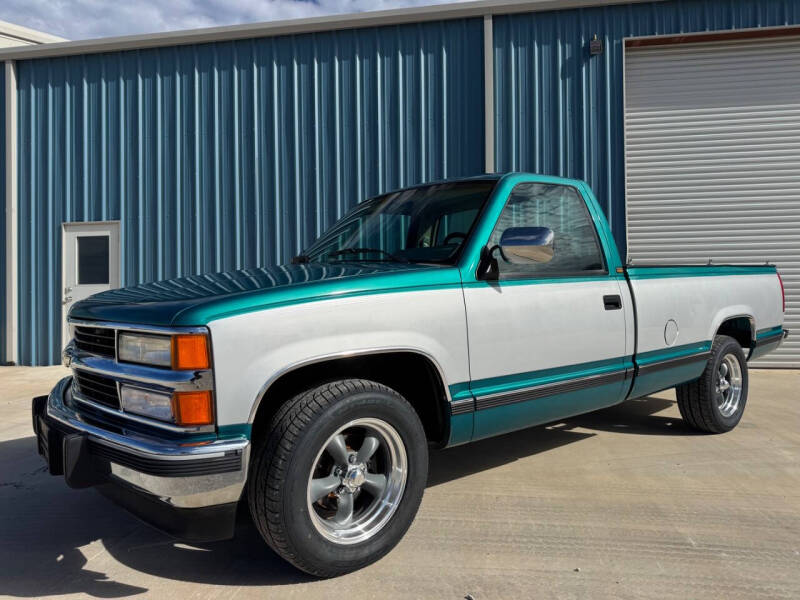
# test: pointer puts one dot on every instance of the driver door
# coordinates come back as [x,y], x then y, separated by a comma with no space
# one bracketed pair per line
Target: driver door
[546,339]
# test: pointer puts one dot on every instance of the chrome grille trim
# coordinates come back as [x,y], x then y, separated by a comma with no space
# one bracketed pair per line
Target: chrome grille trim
[85,362]
[97,340]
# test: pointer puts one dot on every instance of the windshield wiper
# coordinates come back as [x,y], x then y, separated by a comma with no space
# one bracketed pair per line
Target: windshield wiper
[389,255]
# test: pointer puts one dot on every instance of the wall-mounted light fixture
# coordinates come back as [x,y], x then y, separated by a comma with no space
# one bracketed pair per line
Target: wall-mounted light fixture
[595,46]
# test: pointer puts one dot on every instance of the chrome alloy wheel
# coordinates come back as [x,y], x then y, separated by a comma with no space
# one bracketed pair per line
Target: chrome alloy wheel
[729,385]
[357,481]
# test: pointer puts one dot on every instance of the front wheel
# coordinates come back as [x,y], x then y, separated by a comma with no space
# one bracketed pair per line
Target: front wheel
[339,476]
[715,402]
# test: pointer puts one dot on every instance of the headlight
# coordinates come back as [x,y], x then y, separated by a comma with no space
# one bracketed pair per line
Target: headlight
[182,408]
[180,352]
[145,349]
[147,403]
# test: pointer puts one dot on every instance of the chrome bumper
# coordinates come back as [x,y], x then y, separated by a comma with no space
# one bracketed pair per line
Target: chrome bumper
[177,474]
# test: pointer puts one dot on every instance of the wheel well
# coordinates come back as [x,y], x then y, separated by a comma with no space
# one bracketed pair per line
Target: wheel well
[412,375]
[740,329]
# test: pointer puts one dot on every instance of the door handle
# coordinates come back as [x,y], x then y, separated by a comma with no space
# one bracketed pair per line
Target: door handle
[67,300]
[612,302]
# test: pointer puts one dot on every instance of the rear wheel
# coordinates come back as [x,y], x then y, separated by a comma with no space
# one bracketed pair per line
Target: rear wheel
[715,402]
[338,478]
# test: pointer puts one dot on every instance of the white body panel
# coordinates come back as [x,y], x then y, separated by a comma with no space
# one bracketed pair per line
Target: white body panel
[513,329]
[522,327]
[253,349]
[699,305]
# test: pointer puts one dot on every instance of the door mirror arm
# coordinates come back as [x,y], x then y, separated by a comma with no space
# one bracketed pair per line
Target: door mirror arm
[488,269]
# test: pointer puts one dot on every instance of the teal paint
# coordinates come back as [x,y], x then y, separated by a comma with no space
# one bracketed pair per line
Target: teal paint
[655,356]
[461,429]
[764,349]
[520,381]
[460,391]
[761,349]
[540,281]
[698,271]
[764,333]
[503,419]
[199,300]
[650,383]
[244,430]
[470,257]
[613,259]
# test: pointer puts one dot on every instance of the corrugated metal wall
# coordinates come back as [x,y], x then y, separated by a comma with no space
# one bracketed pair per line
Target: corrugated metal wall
[237,154]
[559,111]
[3,358]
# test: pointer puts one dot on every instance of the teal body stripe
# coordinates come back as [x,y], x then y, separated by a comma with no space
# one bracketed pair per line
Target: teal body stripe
[518,381]
[238,430]
[654,356]
[460,391]
[700,271]
[769,332]
[542,281]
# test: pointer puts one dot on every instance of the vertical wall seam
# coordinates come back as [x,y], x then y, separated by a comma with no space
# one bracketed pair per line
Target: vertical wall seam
[160,139]
[11,233]
[488,93]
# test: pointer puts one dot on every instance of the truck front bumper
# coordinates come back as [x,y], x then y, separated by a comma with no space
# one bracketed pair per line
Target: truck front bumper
[188,490]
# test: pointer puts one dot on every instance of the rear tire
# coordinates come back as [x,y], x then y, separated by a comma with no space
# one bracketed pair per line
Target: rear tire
[338,477]
[715,402]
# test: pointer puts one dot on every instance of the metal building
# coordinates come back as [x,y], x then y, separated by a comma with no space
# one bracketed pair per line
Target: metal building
[156,156]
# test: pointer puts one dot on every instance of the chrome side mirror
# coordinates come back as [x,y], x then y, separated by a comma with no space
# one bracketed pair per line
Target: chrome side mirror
[527,245]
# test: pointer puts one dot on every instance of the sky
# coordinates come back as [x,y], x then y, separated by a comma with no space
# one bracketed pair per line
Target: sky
[84,19]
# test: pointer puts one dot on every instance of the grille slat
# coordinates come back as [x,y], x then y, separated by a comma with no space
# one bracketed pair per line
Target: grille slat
[97,340]
[97,389]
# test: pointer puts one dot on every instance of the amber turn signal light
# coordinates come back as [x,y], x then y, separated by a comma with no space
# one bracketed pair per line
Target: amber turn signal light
[190,351]
[192,408]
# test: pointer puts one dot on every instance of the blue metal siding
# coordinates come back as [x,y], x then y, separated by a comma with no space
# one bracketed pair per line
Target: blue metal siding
[3,357]
[235,154]
[559,111]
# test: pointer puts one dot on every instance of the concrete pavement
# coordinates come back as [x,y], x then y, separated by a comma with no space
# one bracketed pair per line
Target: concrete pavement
[623,503]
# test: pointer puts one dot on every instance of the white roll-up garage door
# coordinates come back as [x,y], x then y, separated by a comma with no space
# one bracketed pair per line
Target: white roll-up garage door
[712,150]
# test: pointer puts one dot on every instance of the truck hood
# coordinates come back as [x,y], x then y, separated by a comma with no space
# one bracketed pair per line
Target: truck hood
[199,299]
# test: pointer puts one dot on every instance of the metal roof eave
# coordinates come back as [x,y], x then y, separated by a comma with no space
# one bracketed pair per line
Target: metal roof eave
[297,26]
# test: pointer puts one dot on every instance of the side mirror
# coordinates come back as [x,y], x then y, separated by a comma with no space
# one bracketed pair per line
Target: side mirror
[527,245]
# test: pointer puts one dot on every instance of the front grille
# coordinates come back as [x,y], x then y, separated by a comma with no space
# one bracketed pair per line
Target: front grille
[97,340]
[97,388]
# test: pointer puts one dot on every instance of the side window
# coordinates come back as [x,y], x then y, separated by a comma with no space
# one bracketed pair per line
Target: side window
[576,249]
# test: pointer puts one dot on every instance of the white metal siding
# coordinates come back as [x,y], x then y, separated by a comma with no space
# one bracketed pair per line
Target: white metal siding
[712,150]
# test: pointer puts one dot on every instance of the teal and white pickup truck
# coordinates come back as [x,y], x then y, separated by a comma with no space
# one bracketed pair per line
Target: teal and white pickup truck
[427,317]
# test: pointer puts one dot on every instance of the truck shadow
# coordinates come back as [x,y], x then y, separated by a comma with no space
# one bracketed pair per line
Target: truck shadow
[54,540]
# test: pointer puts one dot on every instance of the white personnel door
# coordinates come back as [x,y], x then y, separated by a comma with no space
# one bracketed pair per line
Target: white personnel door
[90,254]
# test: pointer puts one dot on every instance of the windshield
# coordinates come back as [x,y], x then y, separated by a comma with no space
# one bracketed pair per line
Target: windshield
[423,224]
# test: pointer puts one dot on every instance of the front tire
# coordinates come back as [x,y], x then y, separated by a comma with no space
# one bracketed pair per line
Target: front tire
[715,402]
[339,476]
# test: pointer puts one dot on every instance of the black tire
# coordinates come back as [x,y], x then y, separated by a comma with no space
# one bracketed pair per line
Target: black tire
[282,462]
[699,400]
